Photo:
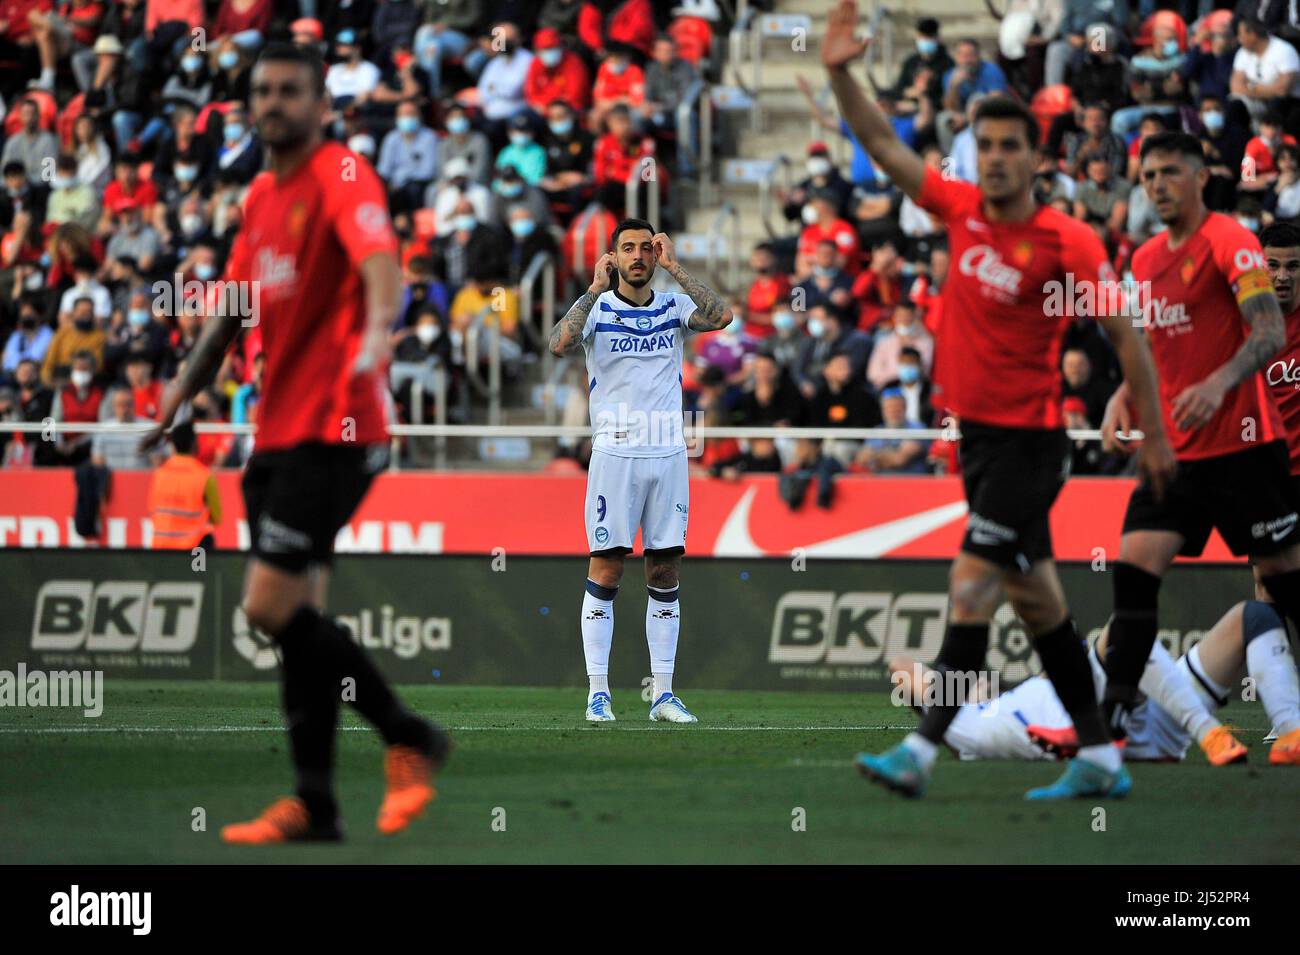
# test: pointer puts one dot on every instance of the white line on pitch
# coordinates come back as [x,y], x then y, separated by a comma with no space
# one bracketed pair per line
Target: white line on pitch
[36,730]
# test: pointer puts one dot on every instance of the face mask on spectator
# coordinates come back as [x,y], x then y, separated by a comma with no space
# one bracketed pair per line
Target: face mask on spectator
[233,132]
[1213,121]
[551,58]
[1170,48]
[427,333]
[734,327]
[186,173]
[927,47]
[784,321]
[64,182]
[228,60]
[882,177]
[616,67]
[522,228]
[408,124]
[138,317]
[823,271]
[909,374]
[809,214]
[1248,223]
[457,125]
[363,144]
[520,138]
[205,271]
[508,189]
[464,223]
[815,327]
[81,378]
[561,127]
[819,167]
[191,63]
[192,223]
[34,282]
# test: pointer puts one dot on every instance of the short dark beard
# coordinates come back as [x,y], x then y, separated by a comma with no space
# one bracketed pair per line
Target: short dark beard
[638,283]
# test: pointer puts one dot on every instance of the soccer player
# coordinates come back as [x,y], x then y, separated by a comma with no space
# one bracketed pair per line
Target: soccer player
[997,359]
[1214,323]
[318,252]
[633,337]
[1028,721]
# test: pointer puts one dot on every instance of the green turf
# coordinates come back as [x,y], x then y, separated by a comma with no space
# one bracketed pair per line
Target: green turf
[629,792]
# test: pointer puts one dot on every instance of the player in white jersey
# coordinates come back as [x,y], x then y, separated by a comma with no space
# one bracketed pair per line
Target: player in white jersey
[633,337]
[1029,722]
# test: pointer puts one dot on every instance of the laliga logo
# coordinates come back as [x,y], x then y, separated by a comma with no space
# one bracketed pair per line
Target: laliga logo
[1284,373]
[984,263]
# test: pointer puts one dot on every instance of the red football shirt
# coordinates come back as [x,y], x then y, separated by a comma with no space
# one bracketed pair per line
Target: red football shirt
[997,352]
[1283,377]
[1194,325]
[302,241]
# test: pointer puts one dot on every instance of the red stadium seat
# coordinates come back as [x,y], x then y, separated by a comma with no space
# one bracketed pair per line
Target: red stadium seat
[694,38]
[1049,103]
[600,232]
[1163,18]
[68,118]
[46,108]
[1212,21]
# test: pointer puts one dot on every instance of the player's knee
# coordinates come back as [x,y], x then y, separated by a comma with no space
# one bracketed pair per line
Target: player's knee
[972,596]
[661,576]
[1257,618]
[606,571]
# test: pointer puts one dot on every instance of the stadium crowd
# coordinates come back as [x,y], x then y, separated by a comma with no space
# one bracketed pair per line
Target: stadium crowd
[128,146]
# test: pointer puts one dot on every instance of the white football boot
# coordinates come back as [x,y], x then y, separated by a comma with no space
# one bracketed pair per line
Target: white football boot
[598,708]
[669,709]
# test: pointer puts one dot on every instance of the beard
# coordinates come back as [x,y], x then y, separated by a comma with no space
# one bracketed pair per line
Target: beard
[639,279]
[287,135]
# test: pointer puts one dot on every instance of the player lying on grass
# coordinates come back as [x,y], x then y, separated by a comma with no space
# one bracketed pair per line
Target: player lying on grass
[1029,722]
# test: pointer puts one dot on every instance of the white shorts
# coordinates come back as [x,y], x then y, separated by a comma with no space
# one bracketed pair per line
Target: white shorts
[1153,734]
[626,493]
[996,729]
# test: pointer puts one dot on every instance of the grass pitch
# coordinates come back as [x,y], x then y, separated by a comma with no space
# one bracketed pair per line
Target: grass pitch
[124,788]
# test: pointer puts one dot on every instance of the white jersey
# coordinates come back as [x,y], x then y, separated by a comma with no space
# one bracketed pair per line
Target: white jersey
[634,373]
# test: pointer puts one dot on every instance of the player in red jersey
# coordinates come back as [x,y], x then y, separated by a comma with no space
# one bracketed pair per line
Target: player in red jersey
[1214,324]
[316,255]
[997,356]
[1281,242]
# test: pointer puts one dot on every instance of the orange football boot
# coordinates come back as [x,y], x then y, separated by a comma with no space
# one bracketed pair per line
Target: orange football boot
[410,787]
[285,820]
[1285,750]
[1222,748]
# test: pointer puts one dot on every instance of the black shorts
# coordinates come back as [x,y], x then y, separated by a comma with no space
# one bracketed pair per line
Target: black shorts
[1012,477]
[297,499]
[1250,497]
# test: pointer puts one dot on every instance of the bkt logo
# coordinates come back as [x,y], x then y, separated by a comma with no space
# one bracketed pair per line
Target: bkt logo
[117,615]
[861,628]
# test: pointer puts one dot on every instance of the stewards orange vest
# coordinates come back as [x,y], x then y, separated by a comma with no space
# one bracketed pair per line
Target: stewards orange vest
[178,503]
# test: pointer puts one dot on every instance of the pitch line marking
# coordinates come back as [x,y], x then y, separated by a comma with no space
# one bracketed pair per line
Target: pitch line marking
[39,730]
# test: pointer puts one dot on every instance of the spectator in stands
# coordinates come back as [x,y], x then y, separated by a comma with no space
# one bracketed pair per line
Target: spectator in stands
[579,23]
[1102,197]
[30,339]
[352,78]
[840,400]
[180,341]
[408,158]
[878,289]
[568,160]
[1266,68]
[239,157]
[133,239]
[510,191]
[421,286]
[555,74]
[471,248]
[1095,139]
[120,451]
[1086,457]
[35,401]
[486,308]
[127,185]
[501,84]
[1079,382]
[769,288]
[146,390]
[85,284]
[914,383]
[21,195]
[969,76]
[1083,20]
[906,333]
[821,221]
[617,154]
[826,284]
[191,84]
[94,158]
[455,188]
[1155,81]
[761,457]
[80,335]
[823,176]
[830,334]
[1286,190]
[1050,182]
[728,351]
[134,331]
[894,455]
[962,151]
[77,401]
[1226,128]
[523,154]
[60,34]
[922,72]
[1259,169]
[32,146]
[71,200]
[1097,72]
[530,240]
[770,398]
[619,82]
[1209,72]
[450,35]
[462,142]
[667,79]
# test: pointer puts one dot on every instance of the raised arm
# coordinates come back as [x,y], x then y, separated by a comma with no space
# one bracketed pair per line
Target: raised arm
[711,312]
[870,126]
[566,336]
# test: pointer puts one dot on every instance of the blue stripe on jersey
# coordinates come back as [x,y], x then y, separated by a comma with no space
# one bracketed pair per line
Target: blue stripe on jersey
[592,386]
[638,312]
[663,327]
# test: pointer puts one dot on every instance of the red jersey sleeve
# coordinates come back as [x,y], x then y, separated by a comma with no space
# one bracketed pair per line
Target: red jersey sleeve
[946,198]
[1239,257]
[358,213]
[1084,257]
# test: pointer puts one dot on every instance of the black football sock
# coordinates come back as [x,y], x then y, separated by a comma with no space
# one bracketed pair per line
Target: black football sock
[311,708]
[1132,635]
[964,648]
[1284,588]
[1065,660]
[369,693]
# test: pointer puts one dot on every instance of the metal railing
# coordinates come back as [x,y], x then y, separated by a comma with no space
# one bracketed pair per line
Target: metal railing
[417,374]
[581,268]
[783,164]
[695,153]
[489,386]
[542,265]
[632,190]
[733,247]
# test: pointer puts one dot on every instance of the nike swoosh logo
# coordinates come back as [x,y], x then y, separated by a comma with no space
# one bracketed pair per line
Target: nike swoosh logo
[735,540]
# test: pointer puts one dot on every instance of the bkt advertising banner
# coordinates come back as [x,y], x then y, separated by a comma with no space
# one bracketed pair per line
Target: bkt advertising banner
[746,623]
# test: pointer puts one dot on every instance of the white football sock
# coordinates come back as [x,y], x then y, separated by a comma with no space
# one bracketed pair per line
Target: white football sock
[599,684]
[1169,688]
[1105,755]
[1271,666]
[663,684]
[663,619]
[598,632]
[924,751]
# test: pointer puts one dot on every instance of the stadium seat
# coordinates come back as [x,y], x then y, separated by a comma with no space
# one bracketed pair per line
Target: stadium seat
[694,38]
[1162,18]
[1212,21]
[47,111]
[1049,103]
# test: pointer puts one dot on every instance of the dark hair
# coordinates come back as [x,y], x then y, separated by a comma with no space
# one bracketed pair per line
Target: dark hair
[1004,107]
[1271,117]
[1185,144]
[14,168]
[1254,26]
[1281,235]
[907,351]
[182,438]
[307,56]
[629,225]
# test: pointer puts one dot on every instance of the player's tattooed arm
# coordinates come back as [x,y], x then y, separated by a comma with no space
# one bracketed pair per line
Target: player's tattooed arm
[566,336]
[711,312]
[1267,336]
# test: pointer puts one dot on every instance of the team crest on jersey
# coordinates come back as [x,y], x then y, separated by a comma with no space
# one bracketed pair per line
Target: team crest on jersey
[1187,271]
[297,218]
[1023,253]
[643,321]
